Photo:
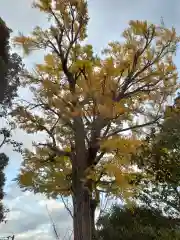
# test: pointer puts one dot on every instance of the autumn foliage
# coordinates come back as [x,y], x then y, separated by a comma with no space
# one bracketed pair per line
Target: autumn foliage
[91,109]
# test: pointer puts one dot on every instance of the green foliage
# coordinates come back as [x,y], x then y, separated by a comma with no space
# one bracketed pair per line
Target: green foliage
[5,138]
[4,161]
[4,41]
[10,68]
[159,158]
[14,69]
[140,223]
[4,52]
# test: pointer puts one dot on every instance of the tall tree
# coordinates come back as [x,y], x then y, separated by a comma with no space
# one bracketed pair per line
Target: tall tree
[140,223]
[81,103]
[4,49]
[10,68]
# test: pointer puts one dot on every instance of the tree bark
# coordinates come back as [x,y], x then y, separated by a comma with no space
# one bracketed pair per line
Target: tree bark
[81,195]
[93,205]
[82,220]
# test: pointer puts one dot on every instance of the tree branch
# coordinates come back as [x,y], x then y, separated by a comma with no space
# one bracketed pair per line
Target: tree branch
[66,206]
[56,150]
[133,127]
[3,142]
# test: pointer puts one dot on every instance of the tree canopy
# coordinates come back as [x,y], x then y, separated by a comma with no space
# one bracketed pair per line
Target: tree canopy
[158,158]
[140,223]
[4,51]
[91,109]
[10,68]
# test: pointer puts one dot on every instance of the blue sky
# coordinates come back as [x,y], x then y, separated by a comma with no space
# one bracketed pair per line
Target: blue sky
[108,18]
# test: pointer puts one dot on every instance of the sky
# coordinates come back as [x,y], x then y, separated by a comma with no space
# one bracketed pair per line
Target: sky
[28,218]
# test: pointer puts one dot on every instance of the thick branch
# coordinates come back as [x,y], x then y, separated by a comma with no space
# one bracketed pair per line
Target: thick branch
[56,150]
[97,126]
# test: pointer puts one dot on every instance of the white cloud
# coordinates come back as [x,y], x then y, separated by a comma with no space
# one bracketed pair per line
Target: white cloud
[28,217]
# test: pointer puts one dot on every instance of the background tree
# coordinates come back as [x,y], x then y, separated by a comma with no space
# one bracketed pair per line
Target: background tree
[140,223]
[81,103]
[4,51]
[10,68]
[159,157]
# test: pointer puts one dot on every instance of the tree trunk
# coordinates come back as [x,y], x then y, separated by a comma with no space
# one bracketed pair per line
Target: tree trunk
[82,220]
[94,205]
[82,214]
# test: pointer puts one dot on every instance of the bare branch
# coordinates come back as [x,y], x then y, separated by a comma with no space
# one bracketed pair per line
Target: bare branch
[66,206]
[3,141]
